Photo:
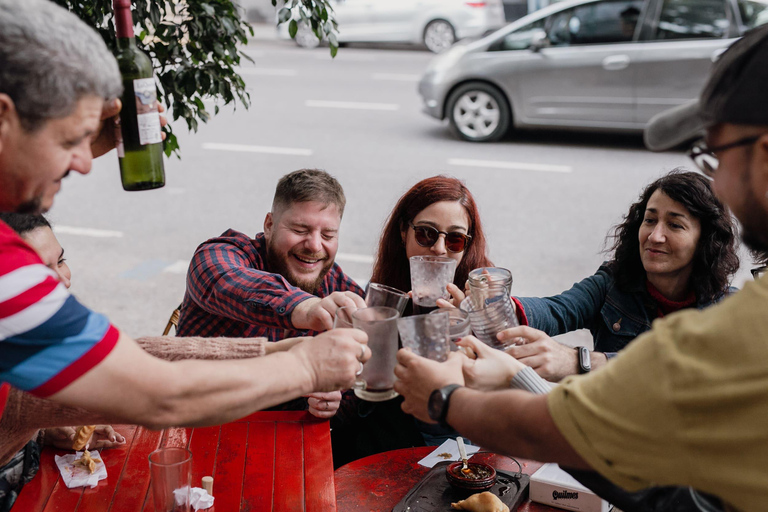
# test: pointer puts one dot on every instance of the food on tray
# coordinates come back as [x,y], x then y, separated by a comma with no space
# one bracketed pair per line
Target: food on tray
[82,436]
[87,462]
[481,502]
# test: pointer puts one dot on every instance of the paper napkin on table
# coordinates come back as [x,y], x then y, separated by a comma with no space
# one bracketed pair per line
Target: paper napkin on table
[77,476]
[448,451]
[199,499]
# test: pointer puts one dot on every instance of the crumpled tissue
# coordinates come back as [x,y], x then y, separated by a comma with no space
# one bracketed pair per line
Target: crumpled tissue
[76,476]
[199,499]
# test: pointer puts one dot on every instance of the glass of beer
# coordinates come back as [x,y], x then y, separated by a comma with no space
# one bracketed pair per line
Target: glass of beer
[429,277]
[380,324]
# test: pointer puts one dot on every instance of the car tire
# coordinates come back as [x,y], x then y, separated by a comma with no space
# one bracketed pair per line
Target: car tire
[478,112]
[305,38]
[439,35]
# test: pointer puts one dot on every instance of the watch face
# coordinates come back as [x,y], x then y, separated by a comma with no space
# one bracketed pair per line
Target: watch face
[435,405]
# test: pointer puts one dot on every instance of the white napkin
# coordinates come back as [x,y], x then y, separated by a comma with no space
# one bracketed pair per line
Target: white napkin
[77,476]
[199,499]
[448,451]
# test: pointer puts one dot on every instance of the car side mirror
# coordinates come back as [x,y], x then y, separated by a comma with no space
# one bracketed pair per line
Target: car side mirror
[539,40]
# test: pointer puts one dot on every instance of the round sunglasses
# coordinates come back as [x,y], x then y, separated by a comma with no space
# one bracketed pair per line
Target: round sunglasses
[427,236]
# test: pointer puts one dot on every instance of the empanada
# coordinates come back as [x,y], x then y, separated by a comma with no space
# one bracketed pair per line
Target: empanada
[82,436]
[87,462]
[481,502]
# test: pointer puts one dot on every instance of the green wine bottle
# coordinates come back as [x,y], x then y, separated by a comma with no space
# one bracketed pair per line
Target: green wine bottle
[140,148]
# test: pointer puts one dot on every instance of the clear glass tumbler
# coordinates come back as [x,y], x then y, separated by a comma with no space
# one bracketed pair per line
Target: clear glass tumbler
[383,295]
[380,323]
[171,472]
[488,282]
[490,317]
[429,277]
[426,335]
[458,325]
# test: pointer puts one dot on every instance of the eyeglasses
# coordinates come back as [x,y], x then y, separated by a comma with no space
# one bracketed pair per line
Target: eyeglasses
[705,157]
[759,271]
[427,236]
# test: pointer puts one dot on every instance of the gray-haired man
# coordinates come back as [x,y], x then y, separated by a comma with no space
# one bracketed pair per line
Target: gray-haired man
[55,75]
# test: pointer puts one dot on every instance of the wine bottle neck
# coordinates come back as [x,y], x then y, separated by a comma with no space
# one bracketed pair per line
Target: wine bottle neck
[123,19]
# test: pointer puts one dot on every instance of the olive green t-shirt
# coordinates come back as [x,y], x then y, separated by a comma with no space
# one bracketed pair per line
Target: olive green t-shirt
[684,404]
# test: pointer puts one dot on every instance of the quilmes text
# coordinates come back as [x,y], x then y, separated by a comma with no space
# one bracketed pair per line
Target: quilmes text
[565,495]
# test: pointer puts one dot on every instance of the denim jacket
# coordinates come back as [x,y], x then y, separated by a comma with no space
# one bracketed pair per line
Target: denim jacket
[615,317]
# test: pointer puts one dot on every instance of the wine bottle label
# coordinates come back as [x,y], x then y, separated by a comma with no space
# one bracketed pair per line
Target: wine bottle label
[146,111]
[119,140]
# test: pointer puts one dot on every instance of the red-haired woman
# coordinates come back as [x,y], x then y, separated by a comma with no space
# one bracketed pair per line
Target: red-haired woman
[436,217]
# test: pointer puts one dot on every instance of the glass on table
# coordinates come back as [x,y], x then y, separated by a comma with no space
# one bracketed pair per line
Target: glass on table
[430,275]
[171,472]
[490,317]
[426,335]
[458,325]
[380,324]
[383,295]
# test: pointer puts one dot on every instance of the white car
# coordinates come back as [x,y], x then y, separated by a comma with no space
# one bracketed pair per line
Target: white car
[434,23]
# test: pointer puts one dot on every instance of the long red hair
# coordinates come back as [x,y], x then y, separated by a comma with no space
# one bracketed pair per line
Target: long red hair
[391,266]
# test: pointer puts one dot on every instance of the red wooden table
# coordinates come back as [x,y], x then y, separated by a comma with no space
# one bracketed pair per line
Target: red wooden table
[378,483]
[267,461]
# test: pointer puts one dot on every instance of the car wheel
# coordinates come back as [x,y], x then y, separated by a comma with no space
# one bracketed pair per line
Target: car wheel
[305,37]
[478,112]
[439,36]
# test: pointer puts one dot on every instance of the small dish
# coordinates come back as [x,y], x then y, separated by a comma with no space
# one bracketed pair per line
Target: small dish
[480,477]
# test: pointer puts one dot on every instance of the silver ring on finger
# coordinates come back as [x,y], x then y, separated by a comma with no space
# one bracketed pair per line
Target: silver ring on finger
[362,354]
[357,374]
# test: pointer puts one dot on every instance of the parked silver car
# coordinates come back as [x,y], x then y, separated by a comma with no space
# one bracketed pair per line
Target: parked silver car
[595,64]
[435,23]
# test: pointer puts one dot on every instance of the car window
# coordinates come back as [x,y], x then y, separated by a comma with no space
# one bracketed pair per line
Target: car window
[692,19]
[753,13]
[594,23]
[520,39]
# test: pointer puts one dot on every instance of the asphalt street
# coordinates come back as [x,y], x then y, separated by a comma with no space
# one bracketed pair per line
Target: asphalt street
[547,199]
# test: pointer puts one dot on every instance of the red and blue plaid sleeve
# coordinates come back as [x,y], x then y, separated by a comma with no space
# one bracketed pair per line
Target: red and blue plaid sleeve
[222,282]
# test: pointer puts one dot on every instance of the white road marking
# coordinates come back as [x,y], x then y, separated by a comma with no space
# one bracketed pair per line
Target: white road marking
[517,166]
[271,150]
[395,77]
[95,233]
[179,267]
[266,72]
[351,105]
[354,258]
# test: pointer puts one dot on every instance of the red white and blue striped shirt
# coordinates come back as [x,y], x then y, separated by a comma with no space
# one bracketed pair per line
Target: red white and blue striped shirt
[47,338]
[232,293]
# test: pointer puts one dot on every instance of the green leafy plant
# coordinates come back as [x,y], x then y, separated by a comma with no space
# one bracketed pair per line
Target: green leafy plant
[195,48]
[315,14]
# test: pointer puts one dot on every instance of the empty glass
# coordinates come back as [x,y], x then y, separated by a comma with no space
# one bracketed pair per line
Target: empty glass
[383,295]
[171,472]
[380,323]
[429,277]
[426,335]
[490,317]
[458,325]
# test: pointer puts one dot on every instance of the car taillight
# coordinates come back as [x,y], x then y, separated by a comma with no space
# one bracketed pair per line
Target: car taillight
[476,4]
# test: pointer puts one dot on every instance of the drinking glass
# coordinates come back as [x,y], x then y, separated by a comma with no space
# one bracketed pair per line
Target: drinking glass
[488,282]
[343,318]
[382,295]
[380,323]
[458,325]
[429,277]
[426,335]
[171,472]
[490,317]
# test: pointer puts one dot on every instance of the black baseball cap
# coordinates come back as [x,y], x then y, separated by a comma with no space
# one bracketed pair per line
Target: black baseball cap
[737,93]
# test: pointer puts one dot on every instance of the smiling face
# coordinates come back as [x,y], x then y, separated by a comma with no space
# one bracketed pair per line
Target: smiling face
[302,241]
[32,164]
[668,237]
[444,216]
[45,244]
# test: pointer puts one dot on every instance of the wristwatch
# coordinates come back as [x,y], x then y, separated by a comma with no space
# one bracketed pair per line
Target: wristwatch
[585,365]
[438,403]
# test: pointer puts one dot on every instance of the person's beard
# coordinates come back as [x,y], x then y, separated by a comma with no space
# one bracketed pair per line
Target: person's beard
[754,225]
[33,207]
[278,265]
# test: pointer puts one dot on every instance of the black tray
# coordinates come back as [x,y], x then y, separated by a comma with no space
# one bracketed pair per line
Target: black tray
[434,494]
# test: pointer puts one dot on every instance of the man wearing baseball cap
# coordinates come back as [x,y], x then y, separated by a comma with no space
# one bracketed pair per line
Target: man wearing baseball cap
[687,403]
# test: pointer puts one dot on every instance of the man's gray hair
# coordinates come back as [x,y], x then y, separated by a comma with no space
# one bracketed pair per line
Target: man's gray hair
[50,59]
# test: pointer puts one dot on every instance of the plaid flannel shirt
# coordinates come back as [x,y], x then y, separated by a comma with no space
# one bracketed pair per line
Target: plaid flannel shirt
[232,293]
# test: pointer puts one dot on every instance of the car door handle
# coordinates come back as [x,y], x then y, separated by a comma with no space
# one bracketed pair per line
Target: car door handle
[616,62]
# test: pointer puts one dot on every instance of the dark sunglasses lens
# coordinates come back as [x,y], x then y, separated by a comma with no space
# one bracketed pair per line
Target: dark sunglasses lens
[455,242]
[425,235]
